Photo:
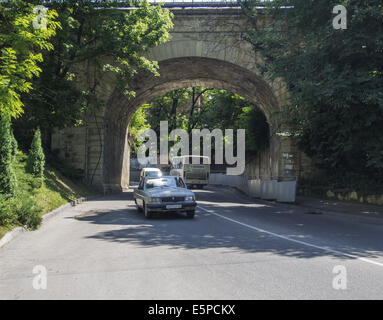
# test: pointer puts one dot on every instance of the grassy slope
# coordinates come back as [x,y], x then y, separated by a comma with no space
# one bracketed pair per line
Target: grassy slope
[56,191]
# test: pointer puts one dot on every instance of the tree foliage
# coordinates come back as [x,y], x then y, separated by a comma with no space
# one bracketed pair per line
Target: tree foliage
[7,175]
[36,158]
[21,47]
[172,107]
[335,77]
[226,110]
[136,124]
[97,38]
[199,108]
[14,144]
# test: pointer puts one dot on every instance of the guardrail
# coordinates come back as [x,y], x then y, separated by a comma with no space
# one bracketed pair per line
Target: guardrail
[123,4]
[198,3]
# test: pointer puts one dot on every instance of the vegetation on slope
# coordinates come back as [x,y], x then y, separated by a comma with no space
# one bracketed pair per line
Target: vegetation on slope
[30,203]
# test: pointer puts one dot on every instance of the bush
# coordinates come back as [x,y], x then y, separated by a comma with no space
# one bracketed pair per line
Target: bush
[14,145]
[7,214]
[20,211]
[36,159]
[7,174]
[36,183]
[28,214]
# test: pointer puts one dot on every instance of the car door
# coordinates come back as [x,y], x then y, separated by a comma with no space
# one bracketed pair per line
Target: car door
[139,193]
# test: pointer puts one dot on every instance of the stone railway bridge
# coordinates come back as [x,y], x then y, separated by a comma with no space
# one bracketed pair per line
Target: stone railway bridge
[207,49]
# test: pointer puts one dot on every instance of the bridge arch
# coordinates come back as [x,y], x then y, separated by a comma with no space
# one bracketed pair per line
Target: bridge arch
[207,48]
[175,73]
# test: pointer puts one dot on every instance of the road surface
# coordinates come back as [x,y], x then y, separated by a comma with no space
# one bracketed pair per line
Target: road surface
[235,248]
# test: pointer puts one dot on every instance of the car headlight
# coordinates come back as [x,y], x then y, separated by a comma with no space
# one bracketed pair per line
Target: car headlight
[189,198]
[154,199]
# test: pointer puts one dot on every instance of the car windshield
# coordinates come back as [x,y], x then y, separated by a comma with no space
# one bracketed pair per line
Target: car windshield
[153,174]
[161,182]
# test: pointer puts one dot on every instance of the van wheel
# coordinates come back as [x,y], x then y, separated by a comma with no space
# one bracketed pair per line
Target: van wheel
[147,213]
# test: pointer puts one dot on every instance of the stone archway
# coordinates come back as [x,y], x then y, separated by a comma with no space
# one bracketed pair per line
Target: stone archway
[179,73]
[207,48]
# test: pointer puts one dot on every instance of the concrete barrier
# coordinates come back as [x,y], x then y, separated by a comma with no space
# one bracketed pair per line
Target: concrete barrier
[282,191]
[239,182]
[269,189]
[254,187]
[286,191]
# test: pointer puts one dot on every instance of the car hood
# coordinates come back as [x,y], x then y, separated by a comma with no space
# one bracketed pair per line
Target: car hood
[168,192]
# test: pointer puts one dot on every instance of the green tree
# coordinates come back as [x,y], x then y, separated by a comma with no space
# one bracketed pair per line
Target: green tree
[335,78]
[226,110]
[14,144]
[199,108]
[7,175]
[170,107]
[21,47]
[97,38]
[136,124]
[36,159]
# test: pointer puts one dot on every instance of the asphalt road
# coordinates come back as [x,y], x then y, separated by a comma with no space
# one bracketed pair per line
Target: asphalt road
[235,248]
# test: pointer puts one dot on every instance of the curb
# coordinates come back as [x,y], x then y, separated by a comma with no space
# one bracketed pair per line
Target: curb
[9,236]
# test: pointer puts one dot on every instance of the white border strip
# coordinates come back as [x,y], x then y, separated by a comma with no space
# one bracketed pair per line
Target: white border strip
[291,239]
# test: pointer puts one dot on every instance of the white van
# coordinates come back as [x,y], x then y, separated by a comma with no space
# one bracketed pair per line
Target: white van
[195,170]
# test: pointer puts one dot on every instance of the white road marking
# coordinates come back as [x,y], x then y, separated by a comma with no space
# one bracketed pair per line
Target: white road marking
[291,239]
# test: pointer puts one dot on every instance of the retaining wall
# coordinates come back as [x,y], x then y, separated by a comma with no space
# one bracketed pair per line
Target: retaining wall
[274,189]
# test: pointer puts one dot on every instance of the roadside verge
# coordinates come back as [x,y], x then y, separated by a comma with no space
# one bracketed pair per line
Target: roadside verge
[9,236]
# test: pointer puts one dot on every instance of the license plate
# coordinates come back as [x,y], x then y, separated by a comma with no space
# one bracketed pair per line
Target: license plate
[173,206]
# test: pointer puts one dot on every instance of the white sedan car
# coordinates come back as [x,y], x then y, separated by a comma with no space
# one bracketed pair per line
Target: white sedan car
[164,194]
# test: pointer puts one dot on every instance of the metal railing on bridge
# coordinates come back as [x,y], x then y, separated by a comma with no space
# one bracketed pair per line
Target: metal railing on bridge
[203,3]
[197,3]
[123,4]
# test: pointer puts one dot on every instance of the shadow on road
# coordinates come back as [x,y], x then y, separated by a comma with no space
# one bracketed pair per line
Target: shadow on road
[176,231]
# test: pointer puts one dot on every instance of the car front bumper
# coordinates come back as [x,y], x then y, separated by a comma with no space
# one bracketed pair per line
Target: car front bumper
[162,207]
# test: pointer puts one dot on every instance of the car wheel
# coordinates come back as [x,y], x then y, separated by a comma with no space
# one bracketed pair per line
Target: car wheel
[190,214]
[138,207]
[147,213]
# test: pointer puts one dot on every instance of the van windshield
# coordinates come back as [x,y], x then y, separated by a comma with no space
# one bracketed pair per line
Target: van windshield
[199,160]
[185,163]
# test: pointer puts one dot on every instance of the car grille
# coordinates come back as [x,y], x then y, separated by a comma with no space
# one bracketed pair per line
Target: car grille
[172,199]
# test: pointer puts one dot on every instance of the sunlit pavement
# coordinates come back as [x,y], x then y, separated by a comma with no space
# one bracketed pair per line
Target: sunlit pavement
[235,248]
